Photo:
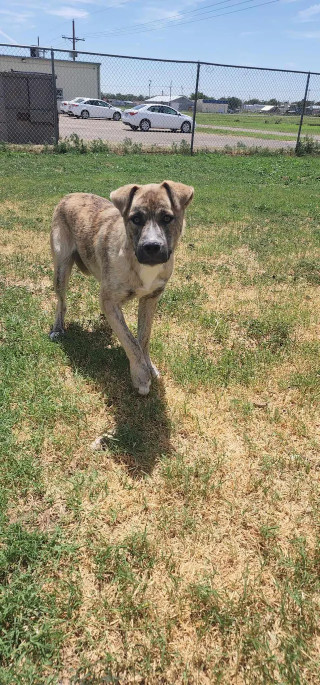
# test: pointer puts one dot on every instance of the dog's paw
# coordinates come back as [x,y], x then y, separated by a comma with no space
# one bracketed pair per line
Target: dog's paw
[56,335]
[141,378]
[144,389]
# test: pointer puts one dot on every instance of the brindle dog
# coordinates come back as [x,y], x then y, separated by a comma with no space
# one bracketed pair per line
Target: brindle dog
[128,245]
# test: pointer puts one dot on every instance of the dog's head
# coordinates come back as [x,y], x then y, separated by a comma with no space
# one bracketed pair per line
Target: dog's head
[154,217]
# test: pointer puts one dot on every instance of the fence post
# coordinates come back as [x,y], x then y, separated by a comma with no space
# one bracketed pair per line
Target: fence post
[55,103]
[195,107]
[302,112]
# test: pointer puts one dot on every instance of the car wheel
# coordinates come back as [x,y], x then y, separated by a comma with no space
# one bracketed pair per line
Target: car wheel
[145,125]
[186,127]
[134,128]
[85,114]
[116,116]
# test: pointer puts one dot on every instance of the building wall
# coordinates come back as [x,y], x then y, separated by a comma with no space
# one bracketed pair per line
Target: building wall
[73,78]
[211,107]
[252,108]
[182,103]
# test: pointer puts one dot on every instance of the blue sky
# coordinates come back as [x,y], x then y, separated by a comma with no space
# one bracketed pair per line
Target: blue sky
[281,34]
[278,33]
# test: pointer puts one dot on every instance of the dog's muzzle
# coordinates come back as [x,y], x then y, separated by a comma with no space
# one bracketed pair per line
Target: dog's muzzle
[152,253]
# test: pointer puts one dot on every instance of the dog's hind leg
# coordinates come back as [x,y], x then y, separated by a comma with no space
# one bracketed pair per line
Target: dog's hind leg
[63,251]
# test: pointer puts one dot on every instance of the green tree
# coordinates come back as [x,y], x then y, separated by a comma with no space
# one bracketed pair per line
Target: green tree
[233,102]
[201,96]
[253,101]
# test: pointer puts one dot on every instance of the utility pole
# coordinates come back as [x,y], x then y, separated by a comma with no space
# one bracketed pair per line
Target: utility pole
[149,87]
[74,40]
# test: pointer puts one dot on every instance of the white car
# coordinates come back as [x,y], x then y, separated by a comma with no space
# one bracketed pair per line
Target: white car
[156,116]
[94,109]
[65,104]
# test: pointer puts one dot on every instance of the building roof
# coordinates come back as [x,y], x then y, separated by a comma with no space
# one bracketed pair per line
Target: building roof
[167,98]
[268,108]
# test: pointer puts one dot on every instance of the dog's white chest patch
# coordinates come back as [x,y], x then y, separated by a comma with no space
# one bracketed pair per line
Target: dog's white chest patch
[149,276]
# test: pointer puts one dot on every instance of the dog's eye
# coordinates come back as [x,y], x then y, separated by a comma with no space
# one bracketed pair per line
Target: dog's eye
[137,219]
[167,218]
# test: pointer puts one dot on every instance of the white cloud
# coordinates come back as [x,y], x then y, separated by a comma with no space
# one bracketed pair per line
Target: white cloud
[308,14]
[68,13]
[11,40]
[17,17]
[156,14]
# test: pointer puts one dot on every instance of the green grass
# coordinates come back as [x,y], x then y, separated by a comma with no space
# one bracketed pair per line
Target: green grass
[245,134]
[188,549]
[260,122]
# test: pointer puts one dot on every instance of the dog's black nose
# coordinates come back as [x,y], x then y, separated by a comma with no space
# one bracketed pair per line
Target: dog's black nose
[151,249]
[152,252]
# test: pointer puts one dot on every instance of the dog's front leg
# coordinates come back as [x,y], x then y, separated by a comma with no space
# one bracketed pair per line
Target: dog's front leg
[147,308]
[140,373]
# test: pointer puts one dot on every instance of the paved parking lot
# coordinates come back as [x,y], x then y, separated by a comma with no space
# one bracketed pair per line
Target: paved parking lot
[116,132]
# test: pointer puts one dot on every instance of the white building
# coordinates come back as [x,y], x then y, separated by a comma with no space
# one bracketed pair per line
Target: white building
[252,108]
[210,105]
[179,102]
[73,79]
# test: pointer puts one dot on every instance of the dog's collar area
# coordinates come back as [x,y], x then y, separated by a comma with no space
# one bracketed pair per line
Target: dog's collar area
[149,275]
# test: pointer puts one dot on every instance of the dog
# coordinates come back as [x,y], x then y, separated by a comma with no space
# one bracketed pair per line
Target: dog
[128,245]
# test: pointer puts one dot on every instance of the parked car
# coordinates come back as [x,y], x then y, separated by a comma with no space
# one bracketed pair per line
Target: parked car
[65,104]
[156,116]
[94,109]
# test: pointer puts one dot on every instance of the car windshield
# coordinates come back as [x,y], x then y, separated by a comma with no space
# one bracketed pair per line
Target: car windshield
[78,100]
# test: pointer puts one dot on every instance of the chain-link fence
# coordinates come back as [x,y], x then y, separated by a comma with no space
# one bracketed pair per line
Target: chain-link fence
[47,95]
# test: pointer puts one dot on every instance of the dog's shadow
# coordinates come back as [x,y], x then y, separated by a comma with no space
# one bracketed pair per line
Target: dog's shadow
[142,427]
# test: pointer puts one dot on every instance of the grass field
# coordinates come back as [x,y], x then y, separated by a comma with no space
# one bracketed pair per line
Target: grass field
[188,551]
[260,122]
[243,134]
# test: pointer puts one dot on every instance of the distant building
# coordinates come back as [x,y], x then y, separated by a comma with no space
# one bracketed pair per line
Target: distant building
[180,102]
[314,110]
[212,105]
[73,79]
[120,103]
[270,109]
[253,108]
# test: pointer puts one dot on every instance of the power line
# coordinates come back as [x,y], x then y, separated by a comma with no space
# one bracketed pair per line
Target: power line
[169,19]
[125,31]
[104,9]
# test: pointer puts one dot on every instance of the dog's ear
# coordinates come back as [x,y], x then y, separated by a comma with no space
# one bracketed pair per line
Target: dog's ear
[178,193]
[122,198]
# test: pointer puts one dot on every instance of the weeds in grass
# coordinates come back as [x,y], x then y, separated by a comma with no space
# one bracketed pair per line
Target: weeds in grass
[309,269]
[308,146]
